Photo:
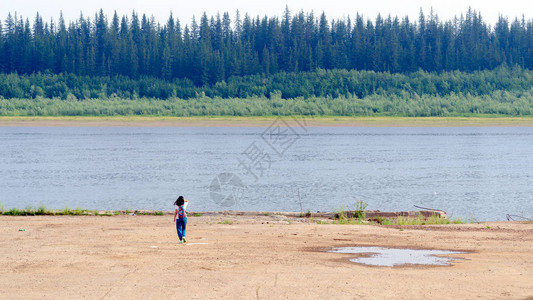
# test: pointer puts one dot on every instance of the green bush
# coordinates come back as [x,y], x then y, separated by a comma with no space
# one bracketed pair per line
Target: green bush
[502,91]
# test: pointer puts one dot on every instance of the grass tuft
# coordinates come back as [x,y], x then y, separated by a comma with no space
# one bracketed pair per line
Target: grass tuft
[65,211]
[340,214]
[41,210]
[360,207]
[351,221]
[386,222]
[458,221]
[14,212]
[358,217]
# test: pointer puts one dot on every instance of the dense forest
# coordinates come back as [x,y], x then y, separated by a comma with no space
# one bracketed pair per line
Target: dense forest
[219,47]
[294,65]
[502,91]
[318,83]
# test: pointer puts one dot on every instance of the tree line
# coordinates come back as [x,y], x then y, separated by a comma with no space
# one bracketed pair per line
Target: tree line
[217,48]
[502,91]
[319,83]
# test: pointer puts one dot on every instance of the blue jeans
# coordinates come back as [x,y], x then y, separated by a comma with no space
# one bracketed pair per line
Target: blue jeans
[181,224]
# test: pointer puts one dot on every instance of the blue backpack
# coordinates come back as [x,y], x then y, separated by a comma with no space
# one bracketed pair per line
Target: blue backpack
[181,212]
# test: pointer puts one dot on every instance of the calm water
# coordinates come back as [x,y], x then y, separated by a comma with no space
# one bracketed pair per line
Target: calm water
[482,173]
[390,257]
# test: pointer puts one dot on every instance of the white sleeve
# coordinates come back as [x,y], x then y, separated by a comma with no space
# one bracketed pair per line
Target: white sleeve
[175,207]
[185,205]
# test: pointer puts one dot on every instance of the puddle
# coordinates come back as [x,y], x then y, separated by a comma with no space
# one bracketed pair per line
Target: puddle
[390,257]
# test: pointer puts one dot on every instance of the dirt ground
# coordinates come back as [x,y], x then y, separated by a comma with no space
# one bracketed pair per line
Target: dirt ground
[269,257]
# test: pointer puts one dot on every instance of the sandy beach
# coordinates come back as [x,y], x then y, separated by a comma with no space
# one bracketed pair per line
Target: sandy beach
[308,121]
[266,257]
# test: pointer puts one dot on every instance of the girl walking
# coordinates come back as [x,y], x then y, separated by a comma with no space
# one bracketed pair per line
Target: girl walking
[181,222]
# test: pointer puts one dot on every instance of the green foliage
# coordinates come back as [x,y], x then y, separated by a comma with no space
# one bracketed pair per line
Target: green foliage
[15,212]
[339,213]
[359,217]
[334,84]
[70,212]
[408,221]
[434,219]
[41,210]
[503,91]
[158,213]
[227,222]
[197,215]
[386,222]
[79,212]
[66,211]
[28,211]
[321,222]
[360,207]
[350,221]
[382,221]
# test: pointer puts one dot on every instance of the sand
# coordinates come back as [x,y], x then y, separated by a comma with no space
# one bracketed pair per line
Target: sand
[308,121]
[268,257]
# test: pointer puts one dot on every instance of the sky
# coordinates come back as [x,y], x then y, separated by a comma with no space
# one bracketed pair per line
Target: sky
[184,10]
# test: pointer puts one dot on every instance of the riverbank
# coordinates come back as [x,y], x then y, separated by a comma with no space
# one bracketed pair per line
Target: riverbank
[257,257]
[153,121]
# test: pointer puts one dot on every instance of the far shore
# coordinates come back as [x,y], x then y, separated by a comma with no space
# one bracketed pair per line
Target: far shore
[226,121]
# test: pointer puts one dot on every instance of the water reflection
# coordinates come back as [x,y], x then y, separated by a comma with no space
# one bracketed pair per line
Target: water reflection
[390,257]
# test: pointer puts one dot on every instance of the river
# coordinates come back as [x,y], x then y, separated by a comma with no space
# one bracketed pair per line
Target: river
[473,173]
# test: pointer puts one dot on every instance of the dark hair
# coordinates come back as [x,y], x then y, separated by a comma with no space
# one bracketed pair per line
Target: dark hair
[180,201]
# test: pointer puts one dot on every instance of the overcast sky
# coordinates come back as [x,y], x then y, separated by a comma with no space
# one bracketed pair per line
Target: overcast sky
[184,10]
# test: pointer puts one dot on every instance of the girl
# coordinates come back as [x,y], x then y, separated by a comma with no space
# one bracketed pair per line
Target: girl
[181,212]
